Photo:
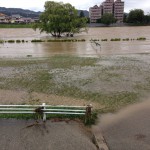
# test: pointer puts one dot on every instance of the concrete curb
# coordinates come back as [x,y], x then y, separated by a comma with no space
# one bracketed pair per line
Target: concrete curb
[100,142]
[98,139]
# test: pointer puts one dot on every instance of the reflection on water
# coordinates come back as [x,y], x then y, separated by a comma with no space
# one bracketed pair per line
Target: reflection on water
[76,48]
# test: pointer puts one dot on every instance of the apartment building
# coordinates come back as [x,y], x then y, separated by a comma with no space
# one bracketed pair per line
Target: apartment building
[108,6]
[95,13]
[119,10]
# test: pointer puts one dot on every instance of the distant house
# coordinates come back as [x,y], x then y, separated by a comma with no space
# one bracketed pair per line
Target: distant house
[15,18]
[4,18]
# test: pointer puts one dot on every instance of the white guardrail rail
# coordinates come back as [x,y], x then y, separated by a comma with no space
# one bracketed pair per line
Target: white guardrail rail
[46,109]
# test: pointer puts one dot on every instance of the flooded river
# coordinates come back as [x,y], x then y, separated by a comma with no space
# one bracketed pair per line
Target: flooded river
[76,48]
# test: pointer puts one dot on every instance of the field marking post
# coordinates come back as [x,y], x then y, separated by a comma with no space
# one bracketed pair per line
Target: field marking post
[44,114]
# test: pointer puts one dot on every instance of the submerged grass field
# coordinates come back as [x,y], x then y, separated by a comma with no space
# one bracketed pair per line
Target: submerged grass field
[110,82]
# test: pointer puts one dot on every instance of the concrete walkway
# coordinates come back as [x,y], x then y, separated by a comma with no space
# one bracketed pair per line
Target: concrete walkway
[21,135]
[128,129]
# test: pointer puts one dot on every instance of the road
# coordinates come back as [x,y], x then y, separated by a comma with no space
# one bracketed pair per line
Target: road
[53,135]
[128,129]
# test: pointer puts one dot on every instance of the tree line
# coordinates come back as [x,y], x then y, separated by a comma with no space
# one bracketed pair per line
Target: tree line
[135,16]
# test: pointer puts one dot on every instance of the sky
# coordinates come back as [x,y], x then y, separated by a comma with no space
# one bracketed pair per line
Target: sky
[38,5]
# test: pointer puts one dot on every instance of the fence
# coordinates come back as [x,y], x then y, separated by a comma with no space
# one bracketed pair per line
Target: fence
[44,109]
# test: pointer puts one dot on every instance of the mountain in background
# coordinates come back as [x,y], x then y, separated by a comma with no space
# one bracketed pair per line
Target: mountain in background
[21,12]
[28,13]
[86,13]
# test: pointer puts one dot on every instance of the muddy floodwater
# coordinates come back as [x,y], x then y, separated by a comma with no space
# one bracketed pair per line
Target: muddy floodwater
[87,48]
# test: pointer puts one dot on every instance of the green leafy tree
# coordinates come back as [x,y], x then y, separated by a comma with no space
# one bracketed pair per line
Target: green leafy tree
[136,16]
[82,14]
[108,19]
[147,19]
[59,18]
[125,15]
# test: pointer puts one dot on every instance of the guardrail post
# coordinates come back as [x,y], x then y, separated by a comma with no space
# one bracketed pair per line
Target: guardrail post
[88,113]
[44,115]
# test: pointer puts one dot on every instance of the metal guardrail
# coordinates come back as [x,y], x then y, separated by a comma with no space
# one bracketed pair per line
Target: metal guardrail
[46,109]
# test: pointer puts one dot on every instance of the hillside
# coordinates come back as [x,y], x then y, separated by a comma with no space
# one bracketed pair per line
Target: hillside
[28,13]
[22,12]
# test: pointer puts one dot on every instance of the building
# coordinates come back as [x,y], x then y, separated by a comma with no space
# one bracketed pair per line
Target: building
[108,6]
[119,10]
[95,13]
[4,18]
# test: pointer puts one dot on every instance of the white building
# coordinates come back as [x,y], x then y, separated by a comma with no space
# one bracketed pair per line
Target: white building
[108,6]
[95,13]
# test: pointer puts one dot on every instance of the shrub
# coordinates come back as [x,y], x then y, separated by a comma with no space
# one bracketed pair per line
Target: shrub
[127,39]
[104,40]
[116,39]
[141,38]
[36,40]
[1,41]
[11,41]
[18,41]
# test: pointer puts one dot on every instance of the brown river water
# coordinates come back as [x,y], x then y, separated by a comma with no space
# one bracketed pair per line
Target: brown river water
[76,48]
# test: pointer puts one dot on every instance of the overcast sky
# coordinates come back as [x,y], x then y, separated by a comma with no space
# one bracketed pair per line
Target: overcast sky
[38,5]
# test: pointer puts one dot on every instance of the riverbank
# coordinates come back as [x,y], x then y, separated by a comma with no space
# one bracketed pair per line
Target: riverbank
[15,25]
[116,25]
[108,83]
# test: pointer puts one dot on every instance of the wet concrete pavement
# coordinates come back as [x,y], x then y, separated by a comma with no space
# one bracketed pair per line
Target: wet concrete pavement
[15,135]
[128,129]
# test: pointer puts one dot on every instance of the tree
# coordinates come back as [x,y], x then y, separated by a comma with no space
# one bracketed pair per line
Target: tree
[59,18]
[136,16]
[147,19]
[125,15]
[82,14]
[108,19]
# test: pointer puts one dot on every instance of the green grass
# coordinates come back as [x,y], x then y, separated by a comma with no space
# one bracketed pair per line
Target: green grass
[15,25]
[116,39]
[30,75]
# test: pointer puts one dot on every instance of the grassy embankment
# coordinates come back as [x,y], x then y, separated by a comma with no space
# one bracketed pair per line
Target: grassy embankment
[15,25]
[111,82]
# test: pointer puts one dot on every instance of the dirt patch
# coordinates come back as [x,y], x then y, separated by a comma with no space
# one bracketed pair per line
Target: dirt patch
[23,97]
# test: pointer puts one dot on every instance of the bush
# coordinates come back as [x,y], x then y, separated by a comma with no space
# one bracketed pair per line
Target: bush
[116,39]
[18,41]
[141,38]
[104,40]
[127,39]
[11,41]
[36,40]
[1,41]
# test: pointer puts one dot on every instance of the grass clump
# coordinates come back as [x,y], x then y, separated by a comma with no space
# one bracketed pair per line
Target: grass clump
[116,39]
[18,41]
[141,39]
[126,39]
[66,40]
[36,40]
[1,41]
[11,41]
[104,40]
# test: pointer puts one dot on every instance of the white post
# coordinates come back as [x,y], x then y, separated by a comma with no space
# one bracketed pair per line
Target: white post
[44,115]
